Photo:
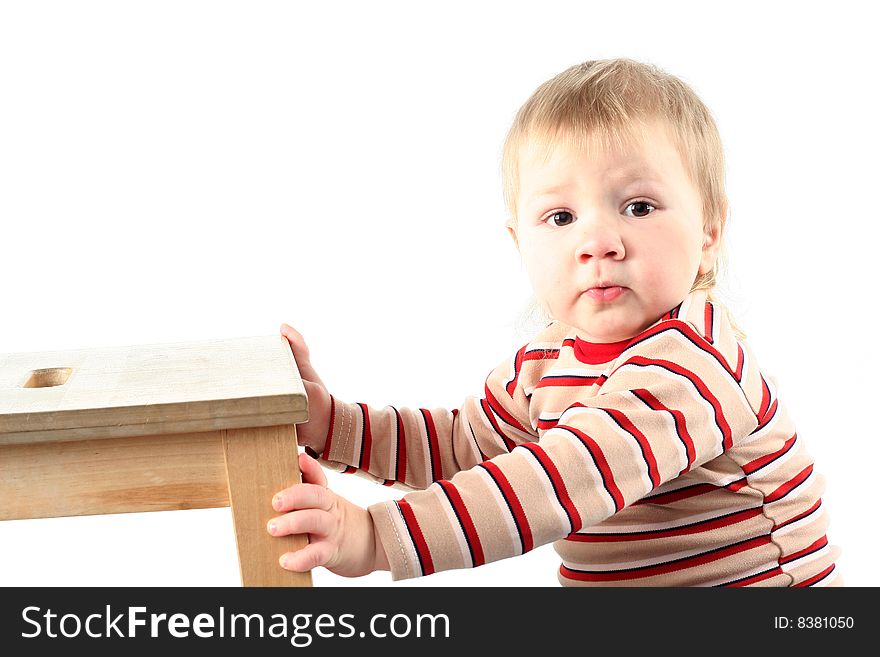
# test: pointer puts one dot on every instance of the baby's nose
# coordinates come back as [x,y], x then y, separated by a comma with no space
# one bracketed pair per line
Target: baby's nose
[600,240]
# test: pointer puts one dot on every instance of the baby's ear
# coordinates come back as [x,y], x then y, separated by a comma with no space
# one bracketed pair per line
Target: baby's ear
[711,245]
[512,231]
[712,234]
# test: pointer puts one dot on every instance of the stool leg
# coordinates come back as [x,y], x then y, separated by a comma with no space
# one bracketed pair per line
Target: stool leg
[260,462]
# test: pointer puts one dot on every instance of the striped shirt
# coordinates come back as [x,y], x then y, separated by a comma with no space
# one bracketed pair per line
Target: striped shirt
[663,460]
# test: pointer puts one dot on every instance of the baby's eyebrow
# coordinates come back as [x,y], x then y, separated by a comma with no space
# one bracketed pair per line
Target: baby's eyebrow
[551,190]
[636,173]
[621,177]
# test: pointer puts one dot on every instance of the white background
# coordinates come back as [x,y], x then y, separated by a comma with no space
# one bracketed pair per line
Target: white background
[182,171]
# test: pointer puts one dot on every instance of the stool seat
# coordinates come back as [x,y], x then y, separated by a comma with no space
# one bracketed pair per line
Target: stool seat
[155,428]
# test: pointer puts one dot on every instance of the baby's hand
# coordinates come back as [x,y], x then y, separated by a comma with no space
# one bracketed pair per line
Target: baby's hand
[314,432]
[341,534]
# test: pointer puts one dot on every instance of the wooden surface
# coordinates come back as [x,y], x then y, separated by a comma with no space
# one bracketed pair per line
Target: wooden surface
[260,462]
[149,390]
[156,428]
[113,475]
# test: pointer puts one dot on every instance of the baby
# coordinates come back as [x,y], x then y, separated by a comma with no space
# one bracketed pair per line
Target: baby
[636,431]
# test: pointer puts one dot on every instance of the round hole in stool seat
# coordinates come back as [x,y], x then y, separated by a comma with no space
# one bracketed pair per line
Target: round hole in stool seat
[49,377]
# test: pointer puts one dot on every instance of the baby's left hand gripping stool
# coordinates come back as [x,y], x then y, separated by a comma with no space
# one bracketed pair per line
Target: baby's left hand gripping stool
[157,428]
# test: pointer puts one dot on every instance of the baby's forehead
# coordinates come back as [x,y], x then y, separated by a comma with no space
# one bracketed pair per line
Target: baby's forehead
[621,146]
[545,163]
[642,149]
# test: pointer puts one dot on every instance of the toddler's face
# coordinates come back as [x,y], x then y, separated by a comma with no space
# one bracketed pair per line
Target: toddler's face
[630,219]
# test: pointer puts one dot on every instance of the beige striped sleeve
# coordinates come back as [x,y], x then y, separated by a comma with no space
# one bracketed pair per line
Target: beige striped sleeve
[410,448]
[671,404]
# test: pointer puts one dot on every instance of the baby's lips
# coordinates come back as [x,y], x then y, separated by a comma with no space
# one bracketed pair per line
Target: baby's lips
[606,293]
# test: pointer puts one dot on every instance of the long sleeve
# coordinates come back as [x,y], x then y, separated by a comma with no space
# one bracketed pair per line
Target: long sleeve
[411,448]
[671,403]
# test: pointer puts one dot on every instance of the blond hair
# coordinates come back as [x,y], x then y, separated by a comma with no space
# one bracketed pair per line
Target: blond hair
[609,101]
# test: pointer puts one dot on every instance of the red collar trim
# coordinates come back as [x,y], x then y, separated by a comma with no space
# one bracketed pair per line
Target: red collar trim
[597,353]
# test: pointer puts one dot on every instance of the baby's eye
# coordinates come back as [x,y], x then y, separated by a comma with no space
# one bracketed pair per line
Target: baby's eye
[565,216]
[641,205]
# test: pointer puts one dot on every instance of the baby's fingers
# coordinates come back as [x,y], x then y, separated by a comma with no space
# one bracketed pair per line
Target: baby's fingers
[303,496]
[296,340]
[300,353]
[311,556]
[308,521]
[312,493]
[312,472]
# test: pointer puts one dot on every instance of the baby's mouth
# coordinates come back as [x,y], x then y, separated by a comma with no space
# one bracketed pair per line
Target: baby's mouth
[606,294]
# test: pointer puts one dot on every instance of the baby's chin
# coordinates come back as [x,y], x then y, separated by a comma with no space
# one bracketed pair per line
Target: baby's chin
[606,330]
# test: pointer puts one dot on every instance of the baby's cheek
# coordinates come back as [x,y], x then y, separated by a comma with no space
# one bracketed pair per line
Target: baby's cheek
[545,281]
[650,281]
[668,291]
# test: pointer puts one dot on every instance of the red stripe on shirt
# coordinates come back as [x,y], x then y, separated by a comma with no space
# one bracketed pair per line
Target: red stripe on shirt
[672,314]
[648,453]
[816,578]
[517,366]
[602,465]
[736,485]
[668,567]
[476,442]
[490,415]
[688,492]
[568,381]
[757,464]
[702,388]
[680,425]
[709,321]
[401,448]
[765,398]
[501,412]
[800,516]
[740,362]
[684,530]
[765,419]
[326,453]
[812,547]
[467,523]
[676,495]
[366,440]
[688,332]
[433,444]
[786,488]
[754,579]
[415,532]
[541,354]
[557,483]
[519,515]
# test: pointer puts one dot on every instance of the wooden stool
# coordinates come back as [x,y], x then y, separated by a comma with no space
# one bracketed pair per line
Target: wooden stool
[157,428]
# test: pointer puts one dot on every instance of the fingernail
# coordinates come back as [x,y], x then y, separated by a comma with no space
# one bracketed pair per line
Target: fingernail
[284,562]
[271,527]
[276,502]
